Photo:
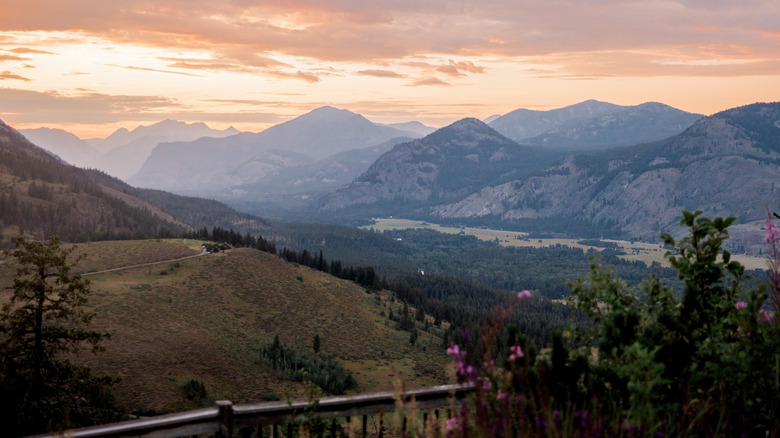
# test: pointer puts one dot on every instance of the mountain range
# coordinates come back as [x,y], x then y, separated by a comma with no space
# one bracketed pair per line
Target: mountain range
[593,125]
[725,164]
[570,174]
[122,153]
[208,165]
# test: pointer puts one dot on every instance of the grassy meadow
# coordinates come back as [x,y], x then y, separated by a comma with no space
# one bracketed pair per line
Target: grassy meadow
[203,318]
[642,251]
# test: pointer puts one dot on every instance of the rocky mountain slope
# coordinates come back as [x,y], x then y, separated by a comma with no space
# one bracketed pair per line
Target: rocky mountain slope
[201,166]
[726,164]
[446,165]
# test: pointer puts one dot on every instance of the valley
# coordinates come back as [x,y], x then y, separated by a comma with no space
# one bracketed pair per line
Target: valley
[642,251]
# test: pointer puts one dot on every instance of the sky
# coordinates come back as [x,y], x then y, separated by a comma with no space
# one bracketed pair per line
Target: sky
[90,67]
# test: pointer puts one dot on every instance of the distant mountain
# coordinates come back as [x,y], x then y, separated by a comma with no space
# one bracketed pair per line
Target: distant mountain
[63,144]
[127,150]
[446,165]
[190,167]
[725,164]
[42,195]
[622,127]
[414,127]
[593,125]
[523,123]
[305,181]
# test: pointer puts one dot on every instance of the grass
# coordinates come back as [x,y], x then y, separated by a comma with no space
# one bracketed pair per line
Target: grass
[205,318]
[642,251]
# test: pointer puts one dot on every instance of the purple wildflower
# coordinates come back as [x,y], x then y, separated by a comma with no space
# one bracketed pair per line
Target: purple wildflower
[523,294]
[741,304]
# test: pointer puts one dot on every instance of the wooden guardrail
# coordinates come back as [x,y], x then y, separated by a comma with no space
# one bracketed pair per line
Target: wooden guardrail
[226,418]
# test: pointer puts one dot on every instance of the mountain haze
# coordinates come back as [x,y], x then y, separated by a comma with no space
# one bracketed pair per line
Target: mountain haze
[127,150]
[63,144]
[191,167]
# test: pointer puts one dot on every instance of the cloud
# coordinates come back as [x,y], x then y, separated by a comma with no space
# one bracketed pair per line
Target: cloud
[8,75]
[84,107]
[428,81]
[12,58]
[87,107]
[380,73]
[131,67]
[25,50]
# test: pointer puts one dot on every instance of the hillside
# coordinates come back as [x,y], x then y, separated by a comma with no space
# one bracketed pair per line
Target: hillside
[63,144]
[204,317]
[726,164]
[42,195]
[446,165]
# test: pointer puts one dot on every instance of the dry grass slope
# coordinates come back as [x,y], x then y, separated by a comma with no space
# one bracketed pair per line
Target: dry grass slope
[203,318]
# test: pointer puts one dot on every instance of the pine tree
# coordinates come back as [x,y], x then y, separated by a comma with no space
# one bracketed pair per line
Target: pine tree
[44,318]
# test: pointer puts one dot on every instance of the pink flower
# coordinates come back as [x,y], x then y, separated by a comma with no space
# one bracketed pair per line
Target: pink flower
[741,304]
[523,294]
[452,423]
[772,233]
[766,316]
[454,350]
[517,352]
[486,385]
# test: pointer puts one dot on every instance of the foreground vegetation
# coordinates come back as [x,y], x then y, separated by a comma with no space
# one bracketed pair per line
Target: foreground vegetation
[705,363]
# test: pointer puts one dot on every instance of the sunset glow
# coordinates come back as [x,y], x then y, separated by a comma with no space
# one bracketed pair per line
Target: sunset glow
[91,67]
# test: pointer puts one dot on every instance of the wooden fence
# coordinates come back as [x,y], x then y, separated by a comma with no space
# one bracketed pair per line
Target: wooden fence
[225,418]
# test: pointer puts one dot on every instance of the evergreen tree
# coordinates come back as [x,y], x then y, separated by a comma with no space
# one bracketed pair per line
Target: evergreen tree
[44,318]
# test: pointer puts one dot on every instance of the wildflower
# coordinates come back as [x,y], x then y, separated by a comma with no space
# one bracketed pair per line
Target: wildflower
[501,396]
[766,316]
[454,350]
[452,423]
[517,352]
[486,385]
[741,304]
[772,233]
[523,294]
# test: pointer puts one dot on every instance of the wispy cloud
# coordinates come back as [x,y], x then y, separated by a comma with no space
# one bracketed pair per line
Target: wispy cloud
[380,73]
[26,50]
[9,75]
[131,67]
[12,58]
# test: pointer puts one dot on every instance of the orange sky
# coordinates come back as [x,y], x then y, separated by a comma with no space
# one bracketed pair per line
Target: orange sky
[92,67]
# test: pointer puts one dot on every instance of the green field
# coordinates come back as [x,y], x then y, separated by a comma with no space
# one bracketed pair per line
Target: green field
[645,252]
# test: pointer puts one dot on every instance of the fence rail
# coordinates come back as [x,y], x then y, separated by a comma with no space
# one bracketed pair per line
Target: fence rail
[226,418]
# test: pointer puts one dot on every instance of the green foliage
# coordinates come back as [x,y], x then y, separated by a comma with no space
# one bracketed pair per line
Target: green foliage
[701,363]
[301,365]
[701,355]
[43,321]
